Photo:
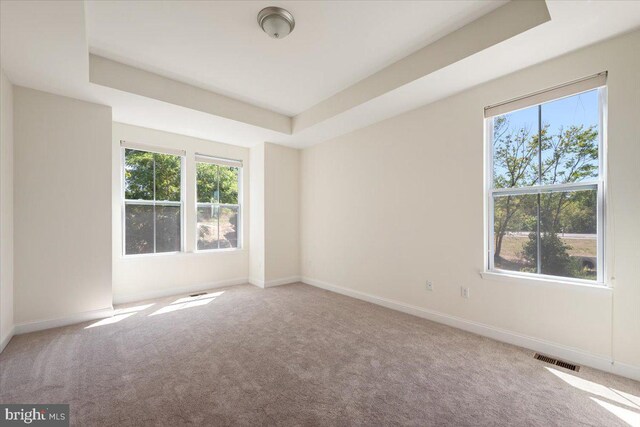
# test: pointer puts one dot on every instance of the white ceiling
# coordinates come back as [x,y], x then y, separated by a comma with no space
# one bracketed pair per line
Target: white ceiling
[219,46]
[45,45]
[574,24]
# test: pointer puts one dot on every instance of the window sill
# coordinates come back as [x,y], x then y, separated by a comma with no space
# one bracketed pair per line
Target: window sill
[216,251]
[164,255]
[545,281]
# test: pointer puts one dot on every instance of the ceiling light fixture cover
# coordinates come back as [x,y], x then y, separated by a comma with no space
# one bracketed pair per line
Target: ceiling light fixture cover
[276,22]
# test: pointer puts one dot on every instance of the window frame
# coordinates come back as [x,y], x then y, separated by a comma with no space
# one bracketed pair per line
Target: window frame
[598,184]
[124,145]
[220,161]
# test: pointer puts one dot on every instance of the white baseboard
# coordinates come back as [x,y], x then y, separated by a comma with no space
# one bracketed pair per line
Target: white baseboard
[275,282]
[161,293]
[257,282]
[282,281]
[552,349]
[625,370]
[24,328]
[5,340]
[39,325]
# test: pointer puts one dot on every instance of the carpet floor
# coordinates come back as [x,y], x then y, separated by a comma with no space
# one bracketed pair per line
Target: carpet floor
[297,355]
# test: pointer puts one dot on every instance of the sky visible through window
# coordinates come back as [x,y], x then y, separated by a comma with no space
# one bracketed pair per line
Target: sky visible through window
[558,115]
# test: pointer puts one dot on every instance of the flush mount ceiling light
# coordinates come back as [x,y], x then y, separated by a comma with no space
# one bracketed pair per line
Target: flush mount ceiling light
[276,22]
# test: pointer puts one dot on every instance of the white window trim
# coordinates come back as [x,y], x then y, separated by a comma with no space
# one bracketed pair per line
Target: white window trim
[124,201]
[221,161]
[489,270]
[534,280]
[203,158]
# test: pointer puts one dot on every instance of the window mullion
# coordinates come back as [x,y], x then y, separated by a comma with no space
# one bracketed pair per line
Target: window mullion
[154,204]
[218,210]
[538,239]
[551,188]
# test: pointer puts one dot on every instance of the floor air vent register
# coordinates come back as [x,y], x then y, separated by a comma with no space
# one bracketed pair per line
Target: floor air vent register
[198,294]
[557,362]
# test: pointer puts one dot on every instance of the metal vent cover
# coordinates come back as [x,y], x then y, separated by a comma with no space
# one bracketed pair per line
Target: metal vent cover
[557,362]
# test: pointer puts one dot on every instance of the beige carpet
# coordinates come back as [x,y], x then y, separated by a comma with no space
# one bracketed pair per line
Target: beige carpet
[297,355]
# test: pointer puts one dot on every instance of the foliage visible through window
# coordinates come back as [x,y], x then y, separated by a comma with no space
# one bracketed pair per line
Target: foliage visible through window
[545,186]
[218,206]
[152,202]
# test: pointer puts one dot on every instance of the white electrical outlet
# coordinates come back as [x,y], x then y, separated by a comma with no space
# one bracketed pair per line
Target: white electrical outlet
[465,292]
[429,285]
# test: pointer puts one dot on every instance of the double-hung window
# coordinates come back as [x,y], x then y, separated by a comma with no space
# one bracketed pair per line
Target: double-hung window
[153,201]
[218,202]
[545,182]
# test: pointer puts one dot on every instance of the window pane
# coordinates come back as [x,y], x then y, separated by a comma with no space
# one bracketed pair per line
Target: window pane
[550,144]
[207,182]
[570,140]
[138,229]
[228,185]
[167,177]
[138,175]
[568,224]
[515,148]
[208,227]
[228,227]
[167,228]
[515,226]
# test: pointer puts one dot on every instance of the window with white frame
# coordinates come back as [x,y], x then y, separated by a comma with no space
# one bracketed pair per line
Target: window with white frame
[218,203]
[545,182]
[153,201]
